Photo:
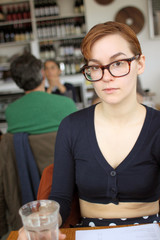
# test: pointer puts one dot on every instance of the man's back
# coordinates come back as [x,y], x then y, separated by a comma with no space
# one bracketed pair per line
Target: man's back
[38,112]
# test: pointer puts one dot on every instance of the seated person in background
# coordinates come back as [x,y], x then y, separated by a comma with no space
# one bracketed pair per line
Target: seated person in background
[37,111]
[52,73]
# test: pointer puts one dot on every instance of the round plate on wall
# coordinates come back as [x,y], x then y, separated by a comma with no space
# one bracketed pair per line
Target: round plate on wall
[104,2]
[131,16]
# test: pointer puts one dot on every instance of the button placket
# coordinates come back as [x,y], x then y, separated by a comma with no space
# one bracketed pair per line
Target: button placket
[113,185]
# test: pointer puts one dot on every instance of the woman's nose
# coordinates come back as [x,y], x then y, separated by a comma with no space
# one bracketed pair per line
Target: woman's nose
[107,76]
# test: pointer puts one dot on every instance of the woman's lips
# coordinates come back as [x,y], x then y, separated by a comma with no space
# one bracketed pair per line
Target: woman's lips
[110,90]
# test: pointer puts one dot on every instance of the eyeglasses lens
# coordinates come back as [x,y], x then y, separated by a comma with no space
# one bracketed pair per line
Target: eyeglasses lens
[116,69]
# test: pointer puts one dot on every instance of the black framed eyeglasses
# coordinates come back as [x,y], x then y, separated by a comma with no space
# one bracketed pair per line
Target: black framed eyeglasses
[117,68]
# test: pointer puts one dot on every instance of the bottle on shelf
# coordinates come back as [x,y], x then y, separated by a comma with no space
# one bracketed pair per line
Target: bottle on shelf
[47,50]
[14,13]
[39,30]
[52,50]
[12,34]
[48,29]
[42,50]
[71,47]
[53,28]
[77,50]
[78,65]
[16,33]
[2,15]
[58,28]
[44,30]
[37,8]
[67,68]
[22,32]
[9,14]
[81,6]
[67,27]
[55,7]
[83,26]
[62,67]
[51,8]
[76,6]
[61,52]
[57,10]
[2,35]
[73,67]
[77,26]
[19,12]
[26,11]
[72,26]
[62,27]
[28,35]
[30,31]
[47,8]
[7,34]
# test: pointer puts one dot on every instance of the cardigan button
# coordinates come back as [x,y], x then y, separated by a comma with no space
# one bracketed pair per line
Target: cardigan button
[113,173]
[113,190]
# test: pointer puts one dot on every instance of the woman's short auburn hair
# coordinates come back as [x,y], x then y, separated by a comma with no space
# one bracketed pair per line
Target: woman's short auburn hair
[103,29]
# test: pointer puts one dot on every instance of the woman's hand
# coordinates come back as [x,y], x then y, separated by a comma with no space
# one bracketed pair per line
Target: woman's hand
[22,235]
[61,236]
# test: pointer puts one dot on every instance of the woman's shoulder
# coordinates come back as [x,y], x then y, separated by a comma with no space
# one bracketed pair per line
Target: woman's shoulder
[153,118]
[82,113]
[154,113]
[80,117]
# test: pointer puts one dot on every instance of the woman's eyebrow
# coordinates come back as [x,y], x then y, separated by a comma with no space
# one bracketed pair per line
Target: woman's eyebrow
[94,60]
[117,55]
[112,58]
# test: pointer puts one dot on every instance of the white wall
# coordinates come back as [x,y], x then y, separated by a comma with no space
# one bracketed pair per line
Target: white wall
[96,13]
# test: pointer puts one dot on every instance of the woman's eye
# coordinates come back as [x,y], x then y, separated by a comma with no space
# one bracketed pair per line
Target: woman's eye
[118,64]
[94,68]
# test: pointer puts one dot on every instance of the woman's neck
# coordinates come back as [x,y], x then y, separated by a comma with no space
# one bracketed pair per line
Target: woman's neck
[121,113]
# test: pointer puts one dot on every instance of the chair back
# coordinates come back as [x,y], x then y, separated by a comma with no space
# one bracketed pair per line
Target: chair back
[44,192]
[42,146]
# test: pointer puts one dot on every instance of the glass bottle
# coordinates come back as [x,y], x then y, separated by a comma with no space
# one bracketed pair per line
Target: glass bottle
[2,16]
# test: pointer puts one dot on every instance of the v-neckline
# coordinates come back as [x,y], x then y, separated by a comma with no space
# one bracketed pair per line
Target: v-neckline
[134,151]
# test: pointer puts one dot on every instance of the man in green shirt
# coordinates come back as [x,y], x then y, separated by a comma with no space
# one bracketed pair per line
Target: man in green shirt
[37,111]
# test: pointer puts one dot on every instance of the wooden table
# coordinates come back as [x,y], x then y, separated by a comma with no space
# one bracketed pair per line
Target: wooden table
[70,232]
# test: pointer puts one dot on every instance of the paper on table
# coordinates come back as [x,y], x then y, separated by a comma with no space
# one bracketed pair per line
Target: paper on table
[146,231]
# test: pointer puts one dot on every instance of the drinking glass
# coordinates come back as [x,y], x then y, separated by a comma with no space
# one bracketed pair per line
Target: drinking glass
[40,219]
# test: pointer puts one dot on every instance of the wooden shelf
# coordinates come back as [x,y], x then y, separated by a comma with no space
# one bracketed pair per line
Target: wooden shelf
[59,17]
[18,43]
[15,22]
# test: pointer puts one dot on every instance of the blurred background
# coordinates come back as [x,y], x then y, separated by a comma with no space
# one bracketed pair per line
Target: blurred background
[55,29]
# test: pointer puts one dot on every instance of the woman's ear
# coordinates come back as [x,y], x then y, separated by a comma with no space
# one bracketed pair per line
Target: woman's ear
[141,64]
